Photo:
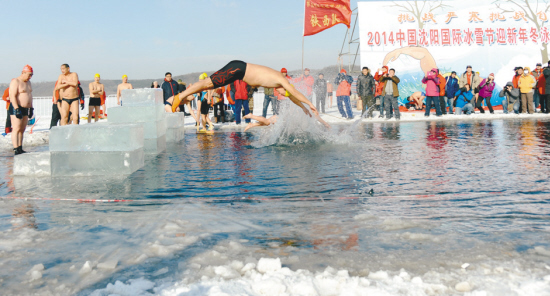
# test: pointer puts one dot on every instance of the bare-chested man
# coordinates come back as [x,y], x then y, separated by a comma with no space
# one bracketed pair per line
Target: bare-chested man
[67,84]
[253,75]
[123,85]
[96,91]
[20,107]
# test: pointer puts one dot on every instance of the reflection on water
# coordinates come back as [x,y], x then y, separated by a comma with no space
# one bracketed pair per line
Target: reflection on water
[442,191]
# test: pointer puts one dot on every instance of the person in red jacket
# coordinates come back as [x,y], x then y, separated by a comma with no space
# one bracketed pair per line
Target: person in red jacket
[241,89]
[541,86]
[442,100]
[379,87]
[253,75]
[305,83]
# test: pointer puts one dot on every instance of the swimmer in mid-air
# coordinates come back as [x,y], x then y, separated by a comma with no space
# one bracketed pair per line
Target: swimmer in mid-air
[253,75]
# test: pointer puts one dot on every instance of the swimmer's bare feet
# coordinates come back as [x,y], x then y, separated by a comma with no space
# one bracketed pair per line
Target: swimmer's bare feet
[248,116]
[249,126]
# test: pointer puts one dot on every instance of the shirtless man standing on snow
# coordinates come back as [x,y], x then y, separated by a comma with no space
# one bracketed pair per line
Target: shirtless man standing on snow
[96,91]
[20,107]
[122,86]
[67,84]
[253,75]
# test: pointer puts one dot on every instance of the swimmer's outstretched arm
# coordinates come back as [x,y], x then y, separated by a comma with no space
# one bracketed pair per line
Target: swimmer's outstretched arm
[193,114]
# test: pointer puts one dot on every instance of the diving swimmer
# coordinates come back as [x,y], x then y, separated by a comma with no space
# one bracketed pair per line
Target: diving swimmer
[255,76]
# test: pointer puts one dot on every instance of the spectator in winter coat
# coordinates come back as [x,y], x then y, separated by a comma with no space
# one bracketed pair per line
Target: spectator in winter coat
[320,89]
[451,87]
[432,92]
[463,99]
[269,97]
[527,85]
[241,90]
[365,89]
[442,99]
[537,73]
[343,93]
[304,84]
[511,102]
[541,87]
[169,87]
[380,87]
[518,72]
[390,92]
[469,77]
[485,93]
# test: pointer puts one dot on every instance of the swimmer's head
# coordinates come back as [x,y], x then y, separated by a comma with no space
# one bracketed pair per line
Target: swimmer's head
[97,77]
[27,72]
[65,68]
[203,76]
[124,78]
[283,70]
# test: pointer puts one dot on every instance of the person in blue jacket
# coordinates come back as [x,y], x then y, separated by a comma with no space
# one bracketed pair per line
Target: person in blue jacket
[169,87]
[463,99]
[451,87]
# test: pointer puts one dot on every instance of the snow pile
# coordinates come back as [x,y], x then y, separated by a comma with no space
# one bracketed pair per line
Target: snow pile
[35,139]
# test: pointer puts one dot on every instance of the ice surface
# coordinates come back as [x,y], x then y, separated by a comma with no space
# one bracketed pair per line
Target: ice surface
[174,135]
[95,163]
[141,97]
[175,120]
[32,164]
[97,137]
[111,264]
[155,145]
[131,114]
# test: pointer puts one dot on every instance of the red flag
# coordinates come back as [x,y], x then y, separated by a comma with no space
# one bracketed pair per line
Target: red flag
[323,14]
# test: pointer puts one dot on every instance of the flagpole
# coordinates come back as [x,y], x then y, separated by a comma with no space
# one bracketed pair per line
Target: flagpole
[303,37]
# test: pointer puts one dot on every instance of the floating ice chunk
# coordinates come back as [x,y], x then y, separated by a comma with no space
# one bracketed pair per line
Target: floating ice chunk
[97,137]
[32,164]
[542,251]
[111,264]
[465,265]
[463,287]
[134,287]
[269,265]
[271,286]
[237,265]
[86,268]
[247,267]
[96,163]
[35,273]
[142,97]
[379,275]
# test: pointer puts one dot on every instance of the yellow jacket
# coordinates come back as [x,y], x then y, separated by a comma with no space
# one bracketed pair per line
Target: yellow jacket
[527,83]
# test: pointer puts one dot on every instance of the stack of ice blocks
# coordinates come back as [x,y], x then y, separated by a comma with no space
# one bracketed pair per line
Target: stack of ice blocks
[175,127]
[87,150]
[145,107]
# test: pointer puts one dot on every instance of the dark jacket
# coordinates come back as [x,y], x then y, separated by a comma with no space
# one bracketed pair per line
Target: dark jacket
[512,96]
[365,85]
[546,73]
[181,87]
[320,87]
[451,87]
[394,79]
[169,88]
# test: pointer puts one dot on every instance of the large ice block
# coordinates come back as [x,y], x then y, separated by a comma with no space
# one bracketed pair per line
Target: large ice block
[97,137]
[32,164]
[125,114]
[96,163]
[174,120]
[141,97]
[174,135]
[155,145]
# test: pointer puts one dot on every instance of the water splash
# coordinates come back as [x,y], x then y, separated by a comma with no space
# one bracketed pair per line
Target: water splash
[294,128]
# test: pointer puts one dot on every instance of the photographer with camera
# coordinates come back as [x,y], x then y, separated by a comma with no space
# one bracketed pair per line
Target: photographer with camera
[486,88]
[463,98]
[511,102]
[432,92]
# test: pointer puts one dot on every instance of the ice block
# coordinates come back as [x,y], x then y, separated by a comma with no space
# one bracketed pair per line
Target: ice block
[95,163]
[125,114]
[174,135]
[32,164]
[155,145]
[97,137]
[174,120]
[141,97]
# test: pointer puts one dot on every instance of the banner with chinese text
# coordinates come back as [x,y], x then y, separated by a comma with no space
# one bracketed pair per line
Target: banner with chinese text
[323,14]
[491,36]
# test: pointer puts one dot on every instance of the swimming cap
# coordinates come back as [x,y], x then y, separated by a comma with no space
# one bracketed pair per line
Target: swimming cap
[27,68]
[283,70]
[203,76]
[97,75]
[124,76]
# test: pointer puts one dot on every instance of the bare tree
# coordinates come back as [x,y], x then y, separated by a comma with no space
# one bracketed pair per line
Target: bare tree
[531,10]
[418,8]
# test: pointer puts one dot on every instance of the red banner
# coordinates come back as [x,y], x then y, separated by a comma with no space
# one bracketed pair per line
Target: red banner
[323,14]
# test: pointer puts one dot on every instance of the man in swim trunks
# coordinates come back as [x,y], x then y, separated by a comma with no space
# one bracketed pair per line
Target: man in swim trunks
[20,93]
[67,84]
[255,76]
[123,85]
[96,91]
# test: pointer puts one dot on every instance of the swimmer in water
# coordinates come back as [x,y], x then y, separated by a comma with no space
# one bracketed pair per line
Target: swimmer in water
[20,110]
[253,75]
[122,86]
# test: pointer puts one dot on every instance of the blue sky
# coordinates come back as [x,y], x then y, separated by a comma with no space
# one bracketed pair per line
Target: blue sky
[145,39]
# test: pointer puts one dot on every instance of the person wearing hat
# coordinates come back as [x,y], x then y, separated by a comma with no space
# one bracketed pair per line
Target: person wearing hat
[320,89]
[537,73]
[343,93]
[512,98]
[304,84]
[380,88]
[469,77]
[96,91]
[365,90]
[169,87]
[486,88]
[21,108]
[124,85]
[451,87]
[527,85]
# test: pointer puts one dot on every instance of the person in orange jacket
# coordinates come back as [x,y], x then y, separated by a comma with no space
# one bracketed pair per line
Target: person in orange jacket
[442,101]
